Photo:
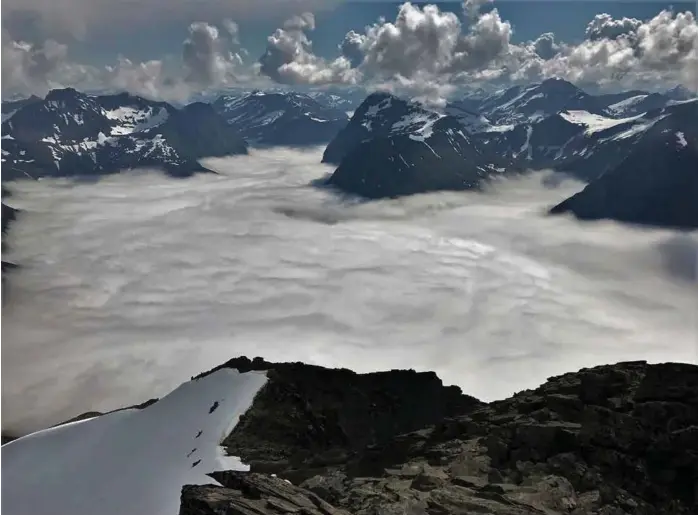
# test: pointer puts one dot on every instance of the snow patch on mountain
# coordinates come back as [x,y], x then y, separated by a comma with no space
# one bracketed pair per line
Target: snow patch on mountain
[129,119]
[624,105]
[637,128]
[594,122]
[131,461]
[419,123]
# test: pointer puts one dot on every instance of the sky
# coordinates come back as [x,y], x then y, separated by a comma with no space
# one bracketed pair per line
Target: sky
[172,49]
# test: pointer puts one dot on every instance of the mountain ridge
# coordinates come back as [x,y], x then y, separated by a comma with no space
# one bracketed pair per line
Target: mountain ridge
[73,134]
[333,442]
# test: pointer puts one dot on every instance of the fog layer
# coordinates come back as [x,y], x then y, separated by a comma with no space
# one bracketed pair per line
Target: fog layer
[131,285]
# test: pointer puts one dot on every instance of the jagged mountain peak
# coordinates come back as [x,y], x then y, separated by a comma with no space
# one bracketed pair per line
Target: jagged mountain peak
[64,94]
[559,85]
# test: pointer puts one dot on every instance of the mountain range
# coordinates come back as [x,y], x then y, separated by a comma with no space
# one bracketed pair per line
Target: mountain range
[389,146]
[392,147]
[271,119]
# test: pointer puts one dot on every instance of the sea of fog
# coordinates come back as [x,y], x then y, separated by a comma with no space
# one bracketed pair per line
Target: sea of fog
[132,284]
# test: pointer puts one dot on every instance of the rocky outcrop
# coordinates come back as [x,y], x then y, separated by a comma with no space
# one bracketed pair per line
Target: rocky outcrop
[245,493]
[308,419]
[618,439]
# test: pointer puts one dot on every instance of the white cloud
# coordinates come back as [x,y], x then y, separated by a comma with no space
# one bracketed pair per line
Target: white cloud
[289,57]
[206,57]
[425,48]
[209,59]
[351,48]
[663,49]
[34,68]
[131,285]
[604,26]
[424,52]
[545,46]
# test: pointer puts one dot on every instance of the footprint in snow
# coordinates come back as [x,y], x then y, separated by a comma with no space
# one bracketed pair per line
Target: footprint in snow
[198,434]
[195,463]
[191,452]
[213,407]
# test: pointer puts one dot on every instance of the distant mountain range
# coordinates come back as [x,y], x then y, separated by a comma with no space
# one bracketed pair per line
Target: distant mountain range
[387,146]
[292,119]
[72,134]
[624,145]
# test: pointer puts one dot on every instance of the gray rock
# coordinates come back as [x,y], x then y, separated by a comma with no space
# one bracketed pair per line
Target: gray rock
[611,440]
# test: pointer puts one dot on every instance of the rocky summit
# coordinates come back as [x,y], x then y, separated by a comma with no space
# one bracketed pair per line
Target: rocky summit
[610,440]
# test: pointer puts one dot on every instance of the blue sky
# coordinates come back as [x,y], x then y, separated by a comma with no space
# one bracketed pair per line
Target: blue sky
[566,18]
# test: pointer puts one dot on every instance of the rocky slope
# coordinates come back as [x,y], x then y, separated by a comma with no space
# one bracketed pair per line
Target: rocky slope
[618,439]
[74,134]
[442,157]
[384,115]
[392,147]
[656,184]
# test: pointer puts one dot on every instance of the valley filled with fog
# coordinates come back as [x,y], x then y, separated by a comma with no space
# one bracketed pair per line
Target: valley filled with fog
[130,285]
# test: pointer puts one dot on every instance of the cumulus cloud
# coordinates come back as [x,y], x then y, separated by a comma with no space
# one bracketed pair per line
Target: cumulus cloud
[427,49]
[662,49]
[420,40]
[207,60]
[148,79]
[351,48]
[545,46]
[423,52]
[210,58]
[133,284]
[604,26]
[35,68]
[289,57]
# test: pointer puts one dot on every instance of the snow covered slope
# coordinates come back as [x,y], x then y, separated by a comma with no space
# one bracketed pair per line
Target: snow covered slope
[132,461]
[73,134]
[281,118]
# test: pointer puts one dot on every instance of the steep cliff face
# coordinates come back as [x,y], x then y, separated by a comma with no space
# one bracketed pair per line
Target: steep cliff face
[619,439]
[309,418]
